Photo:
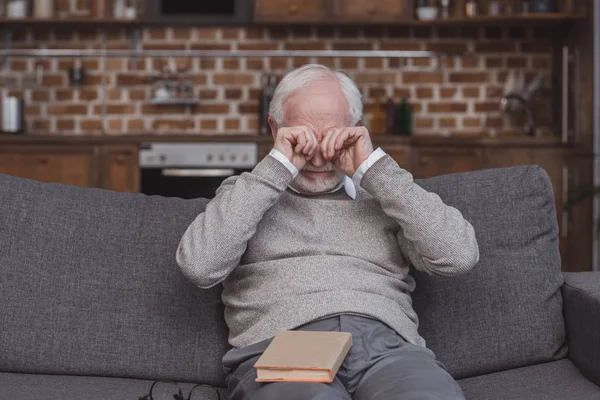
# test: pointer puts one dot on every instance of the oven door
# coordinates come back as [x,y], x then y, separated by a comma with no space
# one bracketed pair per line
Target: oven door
[185,183]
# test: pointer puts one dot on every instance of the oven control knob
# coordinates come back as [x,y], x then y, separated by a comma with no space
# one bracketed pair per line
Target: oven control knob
[221,157]
[209,157]
[233,157]
[245,157]
[162,158]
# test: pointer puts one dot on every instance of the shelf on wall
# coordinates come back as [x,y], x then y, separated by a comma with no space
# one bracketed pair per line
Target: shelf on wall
[517,19]
[74,22]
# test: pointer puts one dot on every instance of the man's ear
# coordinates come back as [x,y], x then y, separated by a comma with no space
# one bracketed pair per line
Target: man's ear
[273,126]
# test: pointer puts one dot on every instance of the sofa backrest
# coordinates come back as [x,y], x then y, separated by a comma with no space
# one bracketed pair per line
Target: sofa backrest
[89,285]
[507,312]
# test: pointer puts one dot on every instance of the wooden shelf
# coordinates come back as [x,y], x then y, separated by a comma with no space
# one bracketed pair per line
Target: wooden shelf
[517,19]
[529,19]
[93,22]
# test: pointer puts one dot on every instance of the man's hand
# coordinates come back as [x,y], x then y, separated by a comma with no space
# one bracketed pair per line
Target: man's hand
[347,148]
[297,143]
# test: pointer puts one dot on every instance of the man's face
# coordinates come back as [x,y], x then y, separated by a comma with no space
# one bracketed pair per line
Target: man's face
[321,107]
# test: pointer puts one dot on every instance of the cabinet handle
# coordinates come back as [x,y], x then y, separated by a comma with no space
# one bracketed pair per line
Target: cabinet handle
[565,199]
[372,9]
[293,8]
[565,94]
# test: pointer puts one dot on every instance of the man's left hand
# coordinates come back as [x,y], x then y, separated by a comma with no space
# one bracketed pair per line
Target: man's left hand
[347,148]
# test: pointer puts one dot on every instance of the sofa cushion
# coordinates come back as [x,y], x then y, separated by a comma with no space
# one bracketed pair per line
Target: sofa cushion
[89,286]
[16,386]
[507,312]
[557,380]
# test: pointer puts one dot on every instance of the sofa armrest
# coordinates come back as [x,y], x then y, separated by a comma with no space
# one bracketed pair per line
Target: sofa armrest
[581,296]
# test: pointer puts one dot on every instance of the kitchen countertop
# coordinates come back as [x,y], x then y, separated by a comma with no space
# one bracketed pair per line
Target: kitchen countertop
[383,140]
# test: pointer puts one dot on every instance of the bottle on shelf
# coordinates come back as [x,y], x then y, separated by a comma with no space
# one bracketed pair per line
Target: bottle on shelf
[470,8]
[389,116]
[268,85]
[377,125]
[446,8]
[403,118]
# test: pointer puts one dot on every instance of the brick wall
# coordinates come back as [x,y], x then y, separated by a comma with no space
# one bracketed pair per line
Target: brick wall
[450,96]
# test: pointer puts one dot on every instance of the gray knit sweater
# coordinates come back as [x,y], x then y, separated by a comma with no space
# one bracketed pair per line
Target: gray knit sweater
[286,259]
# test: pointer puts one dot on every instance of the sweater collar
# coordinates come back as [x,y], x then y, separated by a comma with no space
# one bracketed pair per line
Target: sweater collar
[347,183]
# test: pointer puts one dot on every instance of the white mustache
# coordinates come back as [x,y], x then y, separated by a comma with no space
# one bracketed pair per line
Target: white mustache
[327,169]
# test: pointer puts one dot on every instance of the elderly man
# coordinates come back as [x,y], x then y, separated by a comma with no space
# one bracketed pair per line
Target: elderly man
[320,236]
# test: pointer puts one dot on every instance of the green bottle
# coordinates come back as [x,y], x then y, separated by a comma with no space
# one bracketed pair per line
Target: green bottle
[403,118]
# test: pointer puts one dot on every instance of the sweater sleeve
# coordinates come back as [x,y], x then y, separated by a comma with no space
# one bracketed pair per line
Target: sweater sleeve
[216,240]
[433,236]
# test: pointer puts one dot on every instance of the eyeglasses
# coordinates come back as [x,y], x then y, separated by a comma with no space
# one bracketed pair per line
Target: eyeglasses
[179,394]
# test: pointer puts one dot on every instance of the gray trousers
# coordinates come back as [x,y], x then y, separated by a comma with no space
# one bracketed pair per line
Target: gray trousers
[380,365]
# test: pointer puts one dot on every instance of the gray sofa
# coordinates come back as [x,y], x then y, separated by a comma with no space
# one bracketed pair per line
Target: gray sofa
[93,305]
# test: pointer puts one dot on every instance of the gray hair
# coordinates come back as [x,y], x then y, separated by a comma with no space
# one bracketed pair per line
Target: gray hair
[304,77]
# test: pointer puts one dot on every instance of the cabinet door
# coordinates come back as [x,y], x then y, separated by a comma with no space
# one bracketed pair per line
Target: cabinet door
[61,164]
[291,10]
[433,161]
[120,168]
[263,150]
[374,11]
[580,216]
[401,154]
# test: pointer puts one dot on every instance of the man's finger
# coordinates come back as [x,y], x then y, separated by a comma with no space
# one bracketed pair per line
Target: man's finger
[331,149]
[308,135]
[299,139]
[352,138]
[341,139]
[313,146]
[326,137]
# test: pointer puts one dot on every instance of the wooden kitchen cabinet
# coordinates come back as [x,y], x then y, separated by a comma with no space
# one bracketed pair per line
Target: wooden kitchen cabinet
[65,164]
[107,167]
[373,11]
[401,154]
[292,10]
[332,10]
[119,168]
[580,216]
[433,161]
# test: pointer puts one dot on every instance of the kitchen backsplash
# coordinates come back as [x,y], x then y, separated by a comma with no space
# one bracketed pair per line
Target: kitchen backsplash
[449,95]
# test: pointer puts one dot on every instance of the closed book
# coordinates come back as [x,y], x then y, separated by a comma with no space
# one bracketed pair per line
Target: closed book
[303,356]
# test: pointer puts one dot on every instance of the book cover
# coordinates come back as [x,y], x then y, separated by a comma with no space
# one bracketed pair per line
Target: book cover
[303,356]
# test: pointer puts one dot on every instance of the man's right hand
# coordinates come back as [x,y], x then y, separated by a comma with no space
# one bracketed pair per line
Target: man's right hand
[297,143]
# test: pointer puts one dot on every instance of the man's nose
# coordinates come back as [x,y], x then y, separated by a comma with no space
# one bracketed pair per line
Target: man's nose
[318,160]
